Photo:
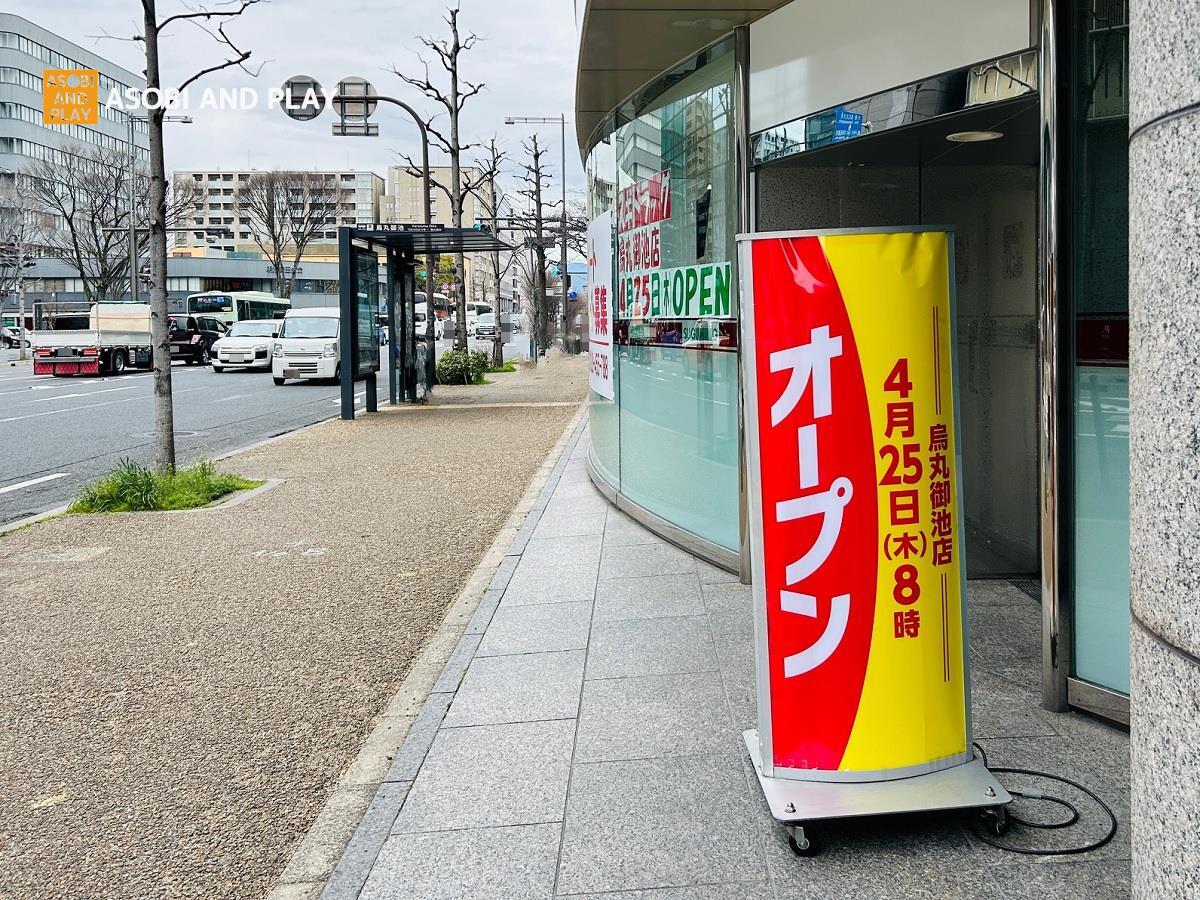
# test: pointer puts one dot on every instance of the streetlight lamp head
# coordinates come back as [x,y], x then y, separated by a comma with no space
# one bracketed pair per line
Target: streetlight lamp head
[509,120]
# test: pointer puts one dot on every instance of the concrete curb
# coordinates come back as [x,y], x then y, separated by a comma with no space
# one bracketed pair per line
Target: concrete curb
[335,857]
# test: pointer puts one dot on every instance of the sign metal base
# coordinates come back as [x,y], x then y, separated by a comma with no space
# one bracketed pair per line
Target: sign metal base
[964,786]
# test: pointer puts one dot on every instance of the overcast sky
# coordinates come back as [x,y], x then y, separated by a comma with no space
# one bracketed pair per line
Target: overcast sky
[525,56]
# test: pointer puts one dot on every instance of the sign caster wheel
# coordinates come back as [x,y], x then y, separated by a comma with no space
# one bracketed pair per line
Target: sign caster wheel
[801,841]
[996,821]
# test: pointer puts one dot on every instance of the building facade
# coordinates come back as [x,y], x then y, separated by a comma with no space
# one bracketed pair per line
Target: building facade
[26,50]
[353,198]
[1011,122]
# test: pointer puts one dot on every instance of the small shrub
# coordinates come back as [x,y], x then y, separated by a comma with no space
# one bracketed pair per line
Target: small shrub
[461,367]
[134,488]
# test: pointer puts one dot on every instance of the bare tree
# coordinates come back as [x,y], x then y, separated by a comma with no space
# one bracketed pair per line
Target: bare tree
[452,98]
[533,174]
[286,211]
[214,23]
[85,214]
[490,166]
[22,236]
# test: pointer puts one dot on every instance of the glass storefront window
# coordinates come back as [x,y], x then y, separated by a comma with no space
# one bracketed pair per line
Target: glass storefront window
[1100,278]
[669,442]
[677,347]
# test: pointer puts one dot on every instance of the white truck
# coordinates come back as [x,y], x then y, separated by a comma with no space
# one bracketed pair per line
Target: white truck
[90,339]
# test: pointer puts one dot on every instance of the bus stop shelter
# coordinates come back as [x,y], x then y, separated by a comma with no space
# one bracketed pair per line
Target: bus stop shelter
[361,250]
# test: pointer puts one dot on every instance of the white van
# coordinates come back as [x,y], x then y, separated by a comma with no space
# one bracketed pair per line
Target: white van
[474,311]
[307,346]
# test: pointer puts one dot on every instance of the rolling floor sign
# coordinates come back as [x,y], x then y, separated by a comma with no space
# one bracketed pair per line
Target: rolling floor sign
[855,504]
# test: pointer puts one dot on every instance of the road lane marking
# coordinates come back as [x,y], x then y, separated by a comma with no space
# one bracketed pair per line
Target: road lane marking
[132,387]
[54,412]
[31,482]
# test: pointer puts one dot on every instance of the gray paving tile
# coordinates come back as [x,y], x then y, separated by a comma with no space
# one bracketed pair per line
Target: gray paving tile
[622,531]
[729,890]
[1004,633]
[710,574]
[1083,878]
[525,688]
[1002,709]
[512,863]
[994,592]
[655,716]
[648,597]
[491,775]
[566,551]
[577,505]
[566,525]
[659,823]
[456,665]
[733,638]
[576,489]
[360,854]
[419,738]
[534,585]
[539,628]
[645,559]
[728,597]
[667,646]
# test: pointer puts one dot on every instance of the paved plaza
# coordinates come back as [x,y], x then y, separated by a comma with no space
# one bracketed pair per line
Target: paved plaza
[585,740]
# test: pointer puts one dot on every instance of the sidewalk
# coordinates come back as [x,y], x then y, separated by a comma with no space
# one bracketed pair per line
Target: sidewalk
[180,692]
[585,740]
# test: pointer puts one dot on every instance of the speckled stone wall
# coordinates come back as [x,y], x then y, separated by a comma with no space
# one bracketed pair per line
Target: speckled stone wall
[1164,446]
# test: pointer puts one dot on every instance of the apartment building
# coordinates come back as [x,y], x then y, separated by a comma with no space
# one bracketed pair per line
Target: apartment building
[353,195]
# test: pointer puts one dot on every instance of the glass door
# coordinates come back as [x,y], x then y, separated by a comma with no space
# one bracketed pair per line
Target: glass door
[1098,524]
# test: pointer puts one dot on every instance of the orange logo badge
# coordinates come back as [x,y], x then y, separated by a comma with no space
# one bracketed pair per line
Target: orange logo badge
[70,97]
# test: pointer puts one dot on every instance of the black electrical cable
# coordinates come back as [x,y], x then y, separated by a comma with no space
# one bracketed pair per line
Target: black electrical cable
[1074,814]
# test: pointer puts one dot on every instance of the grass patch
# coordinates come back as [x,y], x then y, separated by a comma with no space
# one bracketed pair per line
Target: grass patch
[134,488]
[510,365]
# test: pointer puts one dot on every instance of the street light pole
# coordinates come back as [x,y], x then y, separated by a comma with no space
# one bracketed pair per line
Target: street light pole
[561,119]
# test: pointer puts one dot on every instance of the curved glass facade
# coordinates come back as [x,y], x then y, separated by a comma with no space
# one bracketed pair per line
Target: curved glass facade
[668,441]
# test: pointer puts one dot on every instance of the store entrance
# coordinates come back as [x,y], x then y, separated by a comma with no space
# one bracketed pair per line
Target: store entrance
[985,188]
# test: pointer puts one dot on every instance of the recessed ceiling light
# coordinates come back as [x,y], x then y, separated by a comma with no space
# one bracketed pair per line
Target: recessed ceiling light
[972,137]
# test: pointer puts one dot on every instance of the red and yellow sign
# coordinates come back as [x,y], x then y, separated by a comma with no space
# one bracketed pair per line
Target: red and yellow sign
[70,97]
[856,536]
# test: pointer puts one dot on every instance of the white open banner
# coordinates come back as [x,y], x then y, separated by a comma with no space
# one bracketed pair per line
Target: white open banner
[600,273]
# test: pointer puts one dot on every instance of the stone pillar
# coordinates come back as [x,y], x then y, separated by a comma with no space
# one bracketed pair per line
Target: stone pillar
[1164,445]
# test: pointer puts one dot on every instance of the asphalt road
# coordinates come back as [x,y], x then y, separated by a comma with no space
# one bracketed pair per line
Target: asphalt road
[56,434]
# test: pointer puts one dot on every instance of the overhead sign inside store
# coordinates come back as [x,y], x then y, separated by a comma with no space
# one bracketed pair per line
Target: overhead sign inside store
[855,502]
[646,289]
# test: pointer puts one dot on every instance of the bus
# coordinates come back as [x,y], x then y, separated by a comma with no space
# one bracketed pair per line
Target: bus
[237,306]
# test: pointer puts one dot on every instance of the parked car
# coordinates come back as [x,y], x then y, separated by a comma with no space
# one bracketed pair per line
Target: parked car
[485,326]
[307,346]
[11,337]
[192,337]
[247,345]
